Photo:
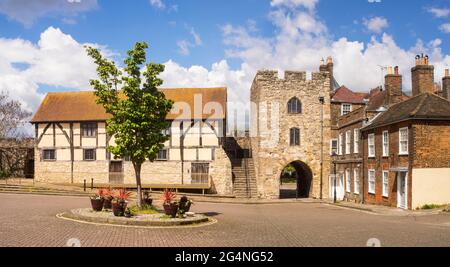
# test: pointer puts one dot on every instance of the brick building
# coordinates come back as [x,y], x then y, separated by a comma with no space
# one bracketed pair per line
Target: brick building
[391,164]
[406,152]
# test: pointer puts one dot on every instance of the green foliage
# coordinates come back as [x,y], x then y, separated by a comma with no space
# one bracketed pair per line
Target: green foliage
[142,210]
[138,110]
[432,206]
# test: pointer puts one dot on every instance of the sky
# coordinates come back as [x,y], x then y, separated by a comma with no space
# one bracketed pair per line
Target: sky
[206,43]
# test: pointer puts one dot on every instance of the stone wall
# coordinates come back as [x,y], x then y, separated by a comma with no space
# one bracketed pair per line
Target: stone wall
[271,125]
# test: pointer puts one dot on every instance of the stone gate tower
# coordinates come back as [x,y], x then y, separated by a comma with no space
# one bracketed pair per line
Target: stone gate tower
[290,124]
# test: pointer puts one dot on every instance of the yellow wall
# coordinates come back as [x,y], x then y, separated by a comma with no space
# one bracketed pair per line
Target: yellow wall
[430,186]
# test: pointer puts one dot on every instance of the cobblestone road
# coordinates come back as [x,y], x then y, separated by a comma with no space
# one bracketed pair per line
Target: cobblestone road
[29,220]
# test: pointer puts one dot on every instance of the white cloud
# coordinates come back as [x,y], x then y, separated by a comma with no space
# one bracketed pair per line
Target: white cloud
[309,4]
[439,12]
[196,36]
[445,27]
[56,60]
[374,1]
[26,12]
[376,24]
[184,46]
[158,4]
[299,44]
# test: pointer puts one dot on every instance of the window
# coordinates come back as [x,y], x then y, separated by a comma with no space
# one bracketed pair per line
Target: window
[403,141]
[89,129]
[372,181]
[166,132]
[89,154]
[371,143]
[385,144]
[356,141]
[341,144]
[356,181]
[294,137]
[199,173]
[49,154]
[162,155]
[348,181]
[333,146]
[348,142]
[385,183]
[294,106]
[345,109]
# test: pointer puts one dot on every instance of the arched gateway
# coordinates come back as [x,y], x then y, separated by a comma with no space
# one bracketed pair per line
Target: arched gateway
[291,125]
[296,180]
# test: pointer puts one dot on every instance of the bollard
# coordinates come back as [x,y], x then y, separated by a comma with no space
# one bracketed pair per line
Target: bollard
[92,183]
[84,185]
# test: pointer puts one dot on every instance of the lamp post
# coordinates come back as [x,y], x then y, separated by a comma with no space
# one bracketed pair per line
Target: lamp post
[322,102]
[335,178]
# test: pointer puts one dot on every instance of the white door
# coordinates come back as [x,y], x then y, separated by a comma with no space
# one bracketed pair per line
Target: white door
[402,186]
[339,187]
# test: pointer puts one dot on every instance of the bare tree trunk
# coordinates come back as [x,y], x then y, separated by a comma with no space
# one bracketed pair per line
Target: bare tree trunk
[137,170]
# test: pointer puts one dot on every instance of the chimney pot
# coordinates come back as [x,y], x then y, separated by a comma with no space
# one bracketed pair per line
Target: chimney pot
[396,70]
[329,60]
[390,70]
[446,74]
[417,60]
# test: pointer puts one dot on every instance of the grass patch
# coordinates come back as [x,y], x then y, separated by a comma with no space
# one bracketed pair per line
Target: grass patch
[166,217]
[143,210]
[433,206]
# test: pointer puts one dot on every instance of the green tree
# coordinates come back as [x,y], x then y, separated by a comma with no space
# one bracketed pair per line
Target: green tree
[138,110]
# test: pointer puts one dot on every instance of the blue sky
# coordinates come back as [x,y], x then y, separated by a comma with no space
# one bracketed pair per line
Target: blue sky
[217,43]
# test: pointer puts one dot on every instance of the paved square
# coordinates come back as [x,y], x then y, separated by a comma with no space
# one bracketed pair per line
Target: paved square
[29,220]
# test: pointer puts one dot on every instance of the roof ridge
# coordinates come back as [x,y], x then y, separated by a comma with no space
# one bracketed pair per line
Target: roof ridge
[419,106]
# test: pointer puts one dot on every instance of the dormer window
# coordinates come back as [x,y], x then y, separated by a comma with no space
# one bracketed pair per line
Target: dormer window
[294,106]
[345,109]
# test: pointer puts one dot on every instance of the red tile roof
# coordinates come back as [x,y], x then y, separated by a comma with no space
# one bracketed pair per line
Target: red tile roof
[345,95]
[81,106]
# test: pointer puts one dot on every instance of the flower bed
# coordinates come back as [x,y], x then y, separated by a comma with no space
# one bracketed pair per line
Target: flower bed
[157,219]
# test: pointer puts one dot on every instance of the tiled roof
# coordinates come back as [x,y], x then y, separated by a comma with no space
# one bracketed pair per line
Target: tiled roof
[425,106]
[378,98]
[345,95]
[82,106]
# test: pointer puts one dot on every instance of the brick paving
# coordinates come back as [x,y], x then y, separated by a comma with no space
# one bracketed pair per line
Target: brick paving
[29,220]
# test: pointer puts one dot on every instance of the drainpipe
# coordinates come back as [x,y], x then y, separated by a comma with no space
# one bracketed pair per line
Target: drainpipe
[322,102]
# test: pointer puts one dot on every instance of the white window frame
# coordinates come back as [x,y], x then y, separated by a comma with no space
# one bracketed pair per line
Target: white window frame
[356,141]
[350,106]
[348,181]
[385,137]
[331,146]
[405,152]
[371,180]
[371,143]
[341,144]
[348,142]
[385,185]
[356,181]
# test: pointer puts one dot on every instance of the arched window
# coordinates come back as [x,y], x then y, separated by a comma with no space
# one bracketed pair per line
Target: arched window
[294,137]
[294,106]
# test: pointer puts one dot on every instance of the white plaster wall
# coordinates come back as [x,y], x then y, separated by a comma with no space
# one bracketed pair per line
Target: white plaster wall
[430,186]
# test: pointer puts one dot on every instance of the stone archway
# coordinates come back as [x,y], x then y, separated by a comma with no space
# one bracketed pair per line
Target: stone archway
[301,187]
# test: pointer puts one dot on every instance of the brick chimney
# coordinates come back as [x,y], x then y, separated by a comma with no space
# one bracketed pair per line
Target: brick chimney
[328,66]
[422,76]
[393,85]
[446,85]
